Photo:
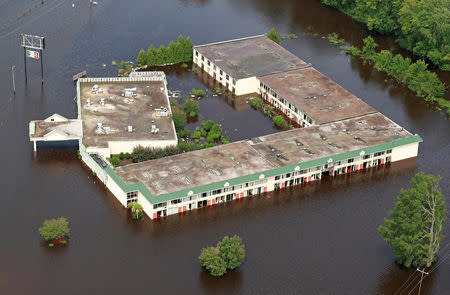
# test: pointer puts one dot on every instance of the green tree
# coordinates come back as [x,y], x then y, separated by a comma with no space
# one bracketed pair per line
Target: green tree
[162,55]
[210,259]
[207,125]
[232,251]
[272,35]
[191,107]
[142,58]
[179,119]
[151,56]
[115,160]
[188,51]
[55,229]
[136,210]
[414,229]
[179,49]
[171,53]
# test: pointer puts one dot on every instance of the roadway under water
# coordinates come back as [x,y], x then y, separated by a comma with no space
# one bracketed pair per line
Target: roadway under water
[315,239]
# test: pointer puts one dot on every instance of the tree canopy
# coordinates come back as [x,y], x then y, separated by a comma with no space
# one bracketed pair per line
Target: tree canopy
[414,228]
[173,53]
[227,255]
[56,228]
[422,26]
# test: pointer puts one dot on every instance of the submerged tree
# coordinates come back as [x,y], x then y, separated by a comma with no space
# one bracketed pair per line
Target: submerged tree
[151,56]
[414,230]
[57,228]
[136,210]
[142,58]
[273,36]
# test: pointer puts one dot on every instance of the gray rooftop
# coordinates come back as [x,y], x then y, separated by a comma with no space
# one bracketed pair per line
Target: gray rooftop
[188,170]
[315,94]
[118,112]
[250,57]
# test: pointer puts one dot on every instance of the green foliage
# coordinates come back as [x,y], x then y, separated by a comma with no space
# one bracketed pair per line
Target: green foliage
[115,160]
[279,121]
[191,107]
[225,141]
[55,229]
[122,65]
[415,75]
[196,134]
[127,155]
[227,255]
[256,102]
[335,39]
[141,154]
[122,156]
[195,70]
[210,259]
[421,26]
[114,63]
[142,58]
[198,92]
[51,245]
[179,119]
[184,66]
[184,146]
[184,133]
[293,36]
[174,53]
[151,56]
[136,210]
[414,229]
[207,125]
[273,36]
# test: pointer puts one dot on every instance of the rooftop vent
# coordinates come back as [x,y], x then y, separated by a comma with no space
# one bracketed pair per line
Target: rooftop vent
[99,125]
[89,102]
[130,128]
[323,137]
[100,91]
[102,101]
[107,129]
[298,143]
[154,129]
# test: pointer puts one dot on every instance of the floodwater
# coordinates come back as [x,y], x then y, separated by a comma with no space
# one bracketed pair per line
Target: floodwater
[314,239]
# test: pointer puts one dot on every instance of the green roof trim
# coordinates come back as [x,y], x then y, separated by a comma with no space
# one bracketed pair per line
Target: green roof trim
[252,177]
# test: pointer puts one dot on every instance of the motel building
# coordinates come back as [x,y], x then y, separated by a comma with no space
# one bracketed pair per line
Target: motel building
[341,133]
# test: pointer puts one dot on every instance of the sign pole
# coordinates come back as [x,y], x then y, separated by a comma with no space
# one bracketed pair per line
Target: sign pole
[42,68]
[13,79]
[25,61]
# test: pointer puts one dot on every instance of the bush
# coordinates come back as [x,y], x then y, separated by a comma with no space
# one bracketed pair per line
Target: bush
[279,121]
[227,255]
[293,36]
[207,125]
[273,36]
[198,92]
[114,160]
[335,39]
[196,134]
[225,141]
[191,107]
[141,154]
[179,119]
[114,63]
[127,156]
[256,102]
[184,66]
[122,156]
[55,229]
[184,133]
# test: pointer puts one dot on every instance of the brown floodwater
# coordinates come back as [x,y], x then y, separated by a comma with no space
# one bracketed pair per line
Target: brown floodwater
[320,238]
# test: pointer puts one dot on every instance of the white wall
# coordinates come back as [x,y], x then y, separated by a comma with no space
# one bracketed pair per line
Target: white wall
[246,86]
[117,147]
[405,151]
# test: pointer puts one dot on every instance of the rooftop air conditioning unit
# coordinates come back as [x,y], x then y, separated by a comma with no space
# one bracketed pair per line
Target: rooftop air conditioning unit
[100,90]
[99,125]
[130,128]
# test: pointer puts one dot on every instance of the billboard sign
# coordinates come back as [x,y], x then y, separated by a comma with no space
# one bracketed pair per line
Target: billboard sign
[33,54]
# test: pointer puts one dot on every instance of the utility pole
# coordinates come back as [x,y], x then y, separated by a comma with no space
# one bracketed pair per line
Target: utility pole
[423,272]
[13,80]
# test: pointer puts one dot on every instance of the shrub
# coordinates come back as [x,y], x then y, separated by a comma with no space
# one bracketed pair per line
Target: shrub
[273,36]
[293,36]
[184,133]
[114,63]
[335,39]
[179,119]
[122,156]
[256,102]
[184,66]
[207,125]
[195,70]
[279,121]
[196,134]
[225,141]
[114,160]
[127,156]
[191,107]
[198,92]
[55,229]
[210,259]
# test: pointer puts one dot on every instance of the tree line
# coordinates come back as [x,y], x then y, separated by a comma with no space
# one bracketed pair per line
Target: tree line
[174,53]
[415,75]
[422,26]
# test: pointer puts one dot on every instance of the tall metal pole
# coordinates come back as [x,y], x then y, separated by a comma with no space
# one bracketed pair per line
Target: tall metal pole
[42,68]
[25,61]
[13,79]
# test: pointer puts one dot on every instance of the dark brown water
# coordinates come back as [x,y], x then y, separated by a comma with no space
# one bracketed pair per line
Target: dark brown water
[315,239]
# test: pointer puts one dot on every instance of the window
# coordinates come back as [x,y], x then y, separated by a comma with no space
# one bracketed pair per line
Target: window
[221,72]
[132,195]
[350,160]
[228,77]
[203,58]
[173,202]
[388,151]
[214,67]
[366,157]
[196,53]
[234,82]
[209,63]
[378,154]
[277,177]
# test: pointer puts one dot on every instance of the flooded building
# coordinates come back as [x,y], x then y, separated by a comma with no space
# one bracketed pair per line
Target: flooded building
[341,133]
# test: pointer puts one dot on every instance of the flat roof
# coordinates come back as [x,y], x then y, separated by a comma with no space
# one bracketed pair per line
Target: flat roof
[120,111]
[316,95]
[250,57]
[202,167]
[70,128]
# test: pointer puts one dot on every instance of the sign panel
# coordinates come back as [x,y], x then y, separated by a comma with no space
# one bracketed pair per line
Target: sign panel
[33,54]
